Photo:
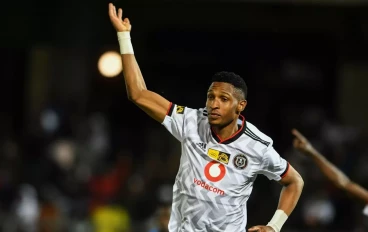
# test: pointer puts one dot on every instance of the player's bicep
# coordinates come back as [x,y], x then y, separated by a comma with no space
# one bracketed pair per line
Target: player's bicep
[290,176]
[153,104]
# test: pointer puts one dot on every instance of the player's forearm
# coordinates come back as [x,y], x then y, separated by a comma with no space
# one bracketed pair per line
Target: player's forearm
[337,177]
[290,195]
[357,191]
[293,185]
[134,81]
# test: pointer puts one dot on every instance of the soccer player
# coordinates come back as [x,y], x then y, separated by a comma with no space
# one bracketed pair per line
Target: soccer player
[333,174]
[222,154]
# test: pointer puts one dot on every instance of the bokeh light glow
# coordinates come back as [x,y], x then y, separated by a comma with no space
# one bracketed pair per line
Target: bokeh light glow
[110,64]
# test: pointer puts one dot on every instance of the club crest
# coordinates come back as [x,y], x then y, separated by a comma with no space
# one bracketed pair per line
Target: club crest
[240,161]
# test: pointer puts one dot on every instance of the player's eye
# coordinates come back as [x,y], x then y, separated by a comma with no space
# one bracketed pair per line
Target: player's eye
[224,99]
[210,97]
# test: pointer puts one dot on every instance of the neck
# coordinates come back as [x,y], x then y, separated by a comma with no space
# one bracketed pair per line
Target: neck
[228,130]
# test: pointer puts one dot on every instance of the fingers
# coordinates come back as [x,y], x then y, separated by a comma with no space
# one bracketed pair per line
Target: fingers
[120,14]
[254,229]
[296,143]
[299,145]
[297,134]
[111,9]
[115,12]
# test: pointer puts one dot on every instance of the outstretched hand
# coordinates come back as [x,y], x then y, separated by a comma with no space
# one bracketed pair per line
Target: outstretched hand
[117,21]
[301,143]
[261,229]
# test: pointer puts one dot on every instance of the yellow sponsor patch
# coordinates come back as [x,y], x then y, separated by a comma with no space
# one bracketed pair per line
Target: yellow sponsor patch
[180,109]
[219,155]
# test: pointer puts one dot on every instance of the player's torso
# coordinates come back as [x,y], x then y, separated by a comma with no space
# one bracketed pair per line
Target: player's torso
[223,171]
[214,182]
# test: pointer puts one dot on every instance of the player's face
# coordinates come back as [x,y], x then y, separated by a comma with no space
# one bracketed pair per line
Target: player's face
[223,105]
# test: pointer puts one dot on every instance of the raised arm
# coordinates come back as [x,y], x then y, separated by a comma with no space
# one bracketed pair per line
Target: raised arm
[152,103]
[333,174]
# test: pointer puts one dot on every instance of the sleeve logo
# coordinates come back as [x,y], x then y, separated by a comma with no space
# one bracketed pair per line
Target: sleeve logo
[180,109]
[219,155]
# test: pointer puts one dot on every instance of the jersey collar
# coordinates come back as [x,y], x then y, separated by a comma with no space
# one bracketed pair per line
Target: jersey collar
[235,136]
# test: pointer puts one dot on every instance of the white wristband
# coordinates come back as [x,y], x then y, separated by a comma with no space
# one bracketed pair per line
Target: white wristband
[278,220]
[125,43]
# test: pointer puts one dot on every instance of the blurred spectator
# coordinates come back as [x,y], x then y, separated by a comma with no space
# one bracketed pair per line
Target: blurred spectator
[161,219]
[110,218]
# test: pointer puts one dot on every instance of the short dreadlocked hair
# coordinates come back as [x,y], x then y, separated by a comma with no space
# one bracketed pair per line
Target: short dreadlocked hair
[233,79]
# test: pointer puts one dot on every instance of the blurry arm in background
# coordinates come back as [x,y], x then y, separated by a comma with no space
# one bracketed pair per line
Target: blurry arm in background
[333,174]
[152,103]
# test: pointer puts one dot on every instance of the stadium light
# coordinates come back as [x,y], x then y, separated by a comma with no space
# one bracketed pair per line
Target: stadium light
[110,64]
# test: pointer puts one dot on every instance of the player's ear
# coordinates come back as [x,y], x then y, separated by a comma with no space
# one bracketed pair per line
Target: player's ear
[241,106]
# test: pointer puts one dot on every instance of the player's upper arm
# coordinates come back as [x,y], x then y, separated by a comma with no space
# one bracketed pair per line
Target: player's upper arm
[153,104]
[272,165]
[181,120]
[176,119]
[291,176]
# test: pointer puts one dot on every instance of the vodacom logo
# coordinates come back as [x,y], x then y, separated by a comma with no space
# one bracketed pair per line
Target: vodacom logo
[214,171]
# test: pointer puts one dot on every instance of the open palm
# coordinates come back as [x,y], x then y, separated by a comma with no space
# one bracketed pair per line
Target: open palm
[117,21]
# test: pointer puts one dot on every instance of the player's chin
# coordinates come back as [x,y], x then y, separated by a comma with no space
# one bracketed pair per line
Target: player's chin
[214,121]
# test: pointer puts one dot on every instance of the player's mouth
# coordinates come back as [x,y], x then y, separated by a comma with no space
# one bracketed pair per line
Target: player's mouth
[214,115]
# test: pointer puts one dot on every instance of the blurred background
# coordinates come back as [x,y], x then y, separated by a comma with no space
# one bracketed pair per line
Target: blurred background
[76,155]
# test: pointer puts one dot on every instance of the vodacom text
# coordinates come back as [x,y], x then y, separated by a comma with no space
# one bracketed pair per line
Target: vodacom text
[209,187]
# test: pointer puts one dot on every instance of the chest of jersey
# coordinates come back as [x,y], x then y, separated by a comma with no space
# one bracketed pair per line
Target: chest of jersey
[219,168]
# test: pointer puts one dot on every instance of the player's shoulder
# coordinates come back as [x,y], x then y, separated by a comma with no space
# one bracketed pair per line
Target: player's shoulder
[202,116]
[197,114]
[177,109]
[195,119]
[258,136]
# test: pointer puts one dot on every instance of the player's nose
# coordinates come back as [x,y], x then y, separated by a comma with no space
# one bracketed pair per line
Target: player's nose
[215,104]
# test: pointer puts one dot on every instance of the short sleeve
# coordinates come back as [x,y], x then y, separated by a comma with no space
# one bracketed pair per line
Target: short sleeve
[179,119]
[365,211]
[273,166]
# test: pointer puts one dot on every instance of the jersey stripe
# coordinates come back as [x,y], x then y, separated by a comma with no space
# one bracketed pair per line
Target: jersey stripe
[170,110]
[255,137]
[286,170]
